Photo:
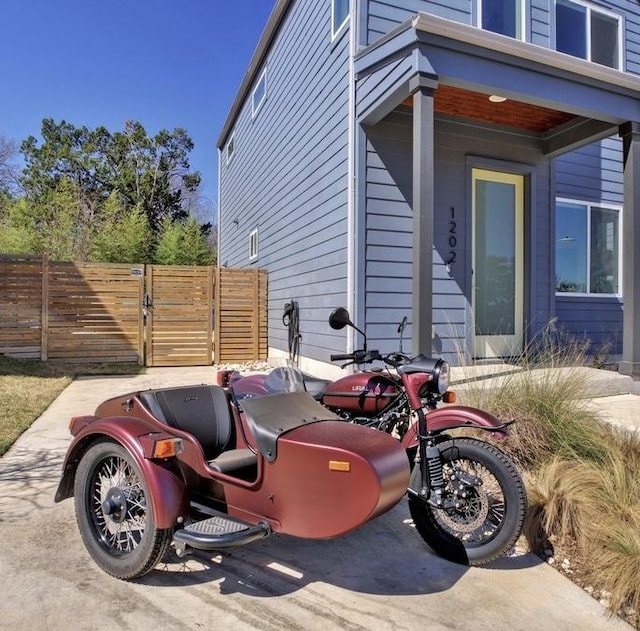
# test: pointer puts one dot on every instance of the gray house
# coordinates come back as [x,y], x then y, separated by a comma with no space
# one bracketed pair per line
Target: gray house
[472,164]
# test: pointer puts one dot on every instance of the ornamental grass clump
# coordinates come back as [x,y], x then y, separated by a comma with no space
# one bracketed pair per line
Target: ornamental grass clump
[583,475]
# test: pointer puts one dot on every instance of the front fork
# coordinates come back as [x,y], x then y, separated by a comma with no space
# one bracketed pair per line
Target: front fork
[431,473]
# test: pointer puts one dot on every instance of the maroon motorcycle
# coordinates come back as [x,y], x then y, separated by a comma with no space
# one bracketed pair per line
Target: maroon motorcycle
[466,496]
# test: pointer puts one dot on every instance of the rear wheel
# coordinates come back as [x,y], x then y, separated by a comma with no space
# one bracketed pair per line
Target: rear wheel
[484,504]
[114,513]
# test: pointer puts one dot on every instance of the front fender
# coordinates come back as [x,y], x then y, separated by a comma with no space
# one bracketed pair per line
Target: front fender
[167,489]
[455,417]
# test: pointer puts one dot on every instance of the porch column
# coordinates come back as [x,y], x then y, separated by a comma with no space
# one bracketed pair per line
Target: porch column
[423,215]
[630,364]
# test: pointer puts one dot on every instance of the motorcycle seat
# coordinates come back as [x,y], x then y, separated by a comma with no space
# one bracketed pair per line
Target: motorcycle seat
[202,411]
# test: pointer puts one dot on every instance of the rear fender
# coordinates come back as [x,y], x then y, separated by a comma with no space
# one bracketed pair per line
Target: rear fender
[455,417]
[169,499]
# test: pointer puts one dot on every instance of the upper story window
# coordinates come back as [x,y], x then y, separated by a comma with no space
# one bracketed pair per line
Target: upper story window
[502,16]
[231,148]
[259,93]
[587,248]
[590,33]
[339,16]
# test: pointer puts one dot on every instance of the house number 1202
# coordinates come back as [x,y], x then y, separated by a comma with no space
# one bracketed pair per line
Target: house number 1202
[453,240]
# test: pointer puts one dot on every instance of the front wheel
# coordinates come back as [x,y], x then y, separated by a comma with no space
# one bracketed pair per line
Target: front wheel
[114,513]
[484,503]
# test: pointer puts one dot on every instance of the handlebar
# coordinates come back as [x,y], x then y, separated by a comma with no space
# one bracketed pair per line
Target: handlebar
[343,358]
[367,357]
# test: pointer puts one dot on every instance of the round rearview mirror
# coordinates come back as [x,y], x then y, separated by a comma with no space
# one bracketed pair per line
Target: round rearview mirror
[339,318]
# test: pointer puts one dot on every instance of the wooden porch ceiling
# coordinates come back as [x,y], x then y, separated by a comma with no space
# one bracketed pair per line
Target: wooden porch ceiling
[462,103]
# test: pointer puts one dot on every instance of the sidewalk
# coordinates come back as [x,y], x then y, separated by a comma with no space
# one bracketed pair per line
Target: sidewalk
[615,397]
[379,578]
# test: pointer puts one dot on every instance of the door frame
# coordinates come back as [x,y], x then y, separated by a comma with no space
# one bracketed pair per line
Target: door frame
[528,246]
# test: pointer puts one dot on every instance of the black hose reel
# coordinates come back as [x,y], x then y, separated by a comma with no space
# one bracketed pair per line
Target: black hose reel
[291,320]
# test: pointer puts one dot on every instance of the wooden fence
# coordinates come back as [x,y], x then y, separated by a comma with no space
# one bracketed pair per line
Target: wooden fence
[155,315]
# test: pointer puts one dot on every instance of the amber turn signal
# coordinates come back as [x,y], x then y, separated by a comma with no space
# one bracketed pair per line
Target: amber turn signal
[167,447]
[339,465]
[449,397]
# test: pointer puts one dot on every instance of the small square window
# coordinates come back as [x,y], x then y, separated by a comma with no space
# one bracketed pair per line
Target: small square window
[253,244]
[339,16]
[502,16]
[230,149]
[259,93]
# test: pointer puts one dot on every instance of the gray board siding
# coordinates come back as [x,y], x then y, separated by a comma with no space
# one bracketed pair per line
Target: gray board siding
[389,227]
[595,320]
[384,16]
[288,178]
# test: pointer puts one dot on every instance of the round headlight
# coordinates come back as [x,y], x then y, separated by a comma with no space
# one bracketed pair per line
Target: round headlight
[441,375]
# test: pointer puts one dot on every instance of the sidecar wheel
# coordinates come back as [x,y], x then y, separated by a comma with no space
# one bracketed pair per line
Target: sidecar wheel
[479,522]
[114,513]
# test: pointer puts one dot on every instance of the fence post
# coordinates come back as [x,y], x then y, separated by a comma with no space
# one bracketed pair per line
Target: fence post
[216,314]
[44,321]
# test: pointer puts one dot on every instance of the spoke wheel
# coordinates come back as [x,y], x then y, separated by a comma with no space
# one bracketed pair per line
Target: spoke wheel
[484,504]
[114,513]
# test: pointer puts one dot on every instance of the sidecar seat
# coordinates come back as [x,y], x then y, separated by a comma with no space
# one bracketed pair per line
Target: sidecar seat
[202,411]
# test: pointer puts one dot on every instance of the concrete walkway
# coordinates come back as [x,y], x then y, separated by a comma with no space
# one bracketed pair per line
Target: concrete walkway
[381,577]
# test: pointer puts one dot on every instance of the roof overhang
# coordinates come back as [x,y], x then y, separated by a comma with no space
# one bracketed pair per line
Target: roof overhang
[257,61]
[581,101]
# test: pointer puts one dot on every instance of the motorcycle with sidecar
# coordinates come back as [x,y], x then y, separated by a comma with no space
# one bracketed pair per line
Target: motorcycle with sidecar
[198,467]
[187,467]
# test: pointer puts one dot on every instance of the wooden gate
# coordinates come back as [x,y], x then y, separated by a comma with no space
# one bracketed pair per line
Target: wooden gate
[179,315]
[155,314]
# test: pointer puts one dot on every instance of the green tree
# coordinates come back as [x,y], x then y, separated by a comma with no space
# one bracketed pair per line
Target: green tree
[120,236]
[148,172]
[183,242]
[52,225]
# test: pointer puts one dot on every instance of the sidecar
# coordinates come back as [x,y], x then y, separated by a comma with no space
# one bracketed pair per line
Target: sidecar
[193,468]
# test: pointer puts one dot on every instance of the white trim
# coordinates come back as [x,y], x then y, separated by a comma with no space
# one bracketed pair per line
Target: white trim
[336,32]
[588,205]
[219,205]
[523,22]
[589,9]
[352,251]
[255,108]
[253,244]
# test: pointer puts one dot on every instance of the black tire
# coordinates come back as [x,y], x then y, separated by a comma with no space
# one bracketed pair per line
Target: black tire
[489,520]
[114,514]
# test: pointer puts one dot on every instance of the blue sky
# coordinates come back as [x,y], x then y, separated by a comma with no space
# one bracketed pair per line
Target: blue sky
[165,63]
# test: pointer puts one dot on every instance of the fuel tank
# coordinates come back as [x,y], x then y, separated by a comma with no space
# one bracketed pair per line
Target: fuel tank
[364,393]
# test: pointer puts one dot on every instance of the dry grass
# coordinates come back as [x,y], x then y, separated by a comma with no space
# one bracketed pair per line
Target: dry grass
[27,388]
[583,475]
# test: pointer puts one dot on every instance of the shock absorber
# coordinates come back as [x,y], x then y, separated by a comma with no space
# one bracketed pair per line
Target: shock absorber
[436,477]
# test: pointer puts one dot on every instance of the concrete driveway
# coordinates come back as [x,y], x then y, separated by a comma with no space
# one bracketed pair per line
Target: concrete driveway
[380,577]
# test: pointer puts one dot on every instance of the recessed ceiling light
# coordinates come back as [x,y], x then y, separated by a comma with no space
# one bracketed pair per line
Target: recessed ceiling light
[495,98]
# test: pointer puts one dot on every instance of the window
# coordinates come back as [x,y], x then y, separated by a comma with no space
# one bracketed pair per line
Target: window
[230,149]
[253,244]
[589,33]
[502,16]
[339,16]
[259,93]
[587,248]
